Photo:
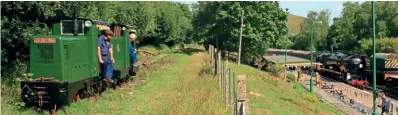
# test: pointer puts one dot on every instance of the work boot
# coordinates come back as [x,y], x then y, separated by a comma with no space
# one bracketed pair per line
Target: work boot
[135,64]
[109,80]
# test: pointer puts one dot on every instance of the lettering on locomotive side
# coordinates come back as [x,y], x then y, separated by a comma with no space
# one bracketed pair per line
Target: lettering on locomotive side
[45,40]
[103,27]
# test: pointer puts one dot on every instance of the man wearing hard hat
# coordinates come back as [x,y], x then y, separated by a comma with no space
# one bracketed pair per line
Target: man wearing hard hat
[105,55]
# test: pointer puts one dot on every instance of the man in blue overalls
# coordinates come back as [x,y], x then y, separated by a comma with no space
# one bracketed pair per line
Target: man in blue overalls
[105,55]
[133,51]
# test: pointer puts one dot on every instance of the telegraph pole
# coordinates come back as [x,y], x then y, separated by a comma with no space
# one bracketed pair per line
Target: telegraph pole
[311,69]
[240,37]
[374,59]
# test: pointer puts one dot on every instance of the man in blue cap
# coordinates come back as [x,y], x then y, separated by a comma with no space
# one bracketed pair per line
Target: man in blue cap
[105,55]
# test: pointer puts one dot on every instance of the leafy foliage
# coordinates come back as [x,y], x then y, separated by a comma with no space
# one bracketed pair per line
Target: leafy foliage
[277,70]
[383,45]
[218,23]
[352,30]
[291,77]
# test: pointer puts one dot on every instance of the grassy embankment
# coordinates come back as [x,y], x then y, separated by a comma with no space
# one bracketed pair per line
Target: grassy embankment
[294,22]
[271,95]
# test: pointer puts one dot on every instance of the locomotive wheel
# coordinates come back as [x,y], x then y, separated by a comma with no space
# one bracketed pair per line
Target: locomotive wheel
[92,91]
[99,88]
[341,77]
[85,93]
[362,87]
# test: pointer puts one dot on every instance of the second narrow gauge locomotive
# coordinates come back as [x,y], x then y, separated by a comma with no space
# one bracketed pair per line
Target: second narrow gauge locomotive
[64,67]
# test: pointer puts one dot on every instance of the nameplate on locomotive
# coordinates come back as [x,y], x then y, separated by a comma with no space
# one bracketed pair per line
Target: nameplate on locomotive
[45,40]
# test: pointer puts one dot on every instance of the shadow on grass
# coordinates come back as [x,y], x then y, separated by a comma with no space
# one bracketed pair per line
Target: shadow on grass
[190,51]
[290,100]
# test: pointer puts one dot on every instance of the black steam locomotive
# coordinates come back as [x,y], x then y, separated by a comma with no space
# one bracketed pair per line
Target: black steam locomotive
[346,68]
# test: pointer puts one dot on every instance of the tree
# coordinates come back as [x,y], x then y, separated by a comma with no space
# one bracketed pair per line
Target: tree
[218,23]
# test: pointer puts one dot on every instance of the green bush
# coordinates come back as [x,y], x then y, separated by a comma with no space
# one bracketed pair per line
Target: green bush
[291,77]
[10,88]
[383,45]
[277,70]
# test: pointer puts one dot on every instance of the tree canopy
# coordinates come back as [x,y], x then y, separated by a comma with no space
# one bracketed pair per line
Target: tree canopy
[353,30]
[218,23]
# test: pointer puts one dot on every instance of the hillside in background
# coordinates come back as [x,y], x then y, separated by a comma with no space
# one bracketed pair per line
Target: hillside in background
[294,23]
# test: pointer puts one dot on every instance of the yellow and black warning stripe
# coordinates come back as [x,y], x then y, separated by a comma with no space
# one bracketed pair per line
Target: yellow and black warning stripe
[391,64]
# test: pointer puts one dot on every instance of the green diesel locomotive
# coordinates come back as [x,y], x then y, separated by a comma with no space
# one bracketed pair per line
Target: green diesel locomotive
[64,67]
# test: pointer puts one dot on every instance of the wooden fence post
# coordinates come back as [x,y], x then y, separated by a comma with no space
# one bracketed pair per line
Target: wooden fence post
[216,67]
[215,60]
[211,53]
[219,63]
[242,87]
[242,100]
[226,84]
[222,76]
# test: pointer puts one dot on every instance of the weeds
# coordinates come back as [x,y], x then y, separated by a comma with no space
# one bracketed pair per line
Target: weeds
[311,98]
[291,77]
[277,70]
